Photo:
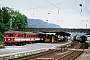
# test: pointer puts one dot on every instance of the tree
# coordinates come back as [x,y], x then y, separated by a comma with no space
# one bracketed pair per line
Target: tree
[1,25]
[8,16]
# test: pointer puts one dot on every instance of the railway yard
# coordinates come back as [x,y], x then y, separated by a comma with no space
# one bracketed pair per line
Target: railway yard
[49,51]
[45,30]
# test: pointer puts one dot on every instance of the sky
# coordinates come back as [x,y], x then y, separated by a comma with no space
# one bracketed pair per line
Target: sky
[65,13]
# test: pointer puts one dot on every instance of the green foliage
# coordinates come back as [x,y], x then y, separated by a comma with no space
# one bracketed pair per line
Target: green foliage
[2,47]
[19,20]
[11,20]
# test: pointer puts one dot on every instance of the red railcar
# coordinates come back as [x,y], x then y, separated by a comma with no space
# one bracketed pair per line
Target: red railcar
[20,38]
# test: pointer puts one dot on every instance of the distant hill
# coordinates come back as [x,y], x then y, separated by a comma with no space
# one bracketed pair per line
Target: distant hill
[37,23]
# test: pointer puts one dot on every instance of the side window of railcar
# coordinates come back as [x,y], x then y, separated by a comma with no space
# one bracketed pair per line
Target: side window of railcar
[26,36]
[21,35]
[11,35]
[32,36]
[18,35]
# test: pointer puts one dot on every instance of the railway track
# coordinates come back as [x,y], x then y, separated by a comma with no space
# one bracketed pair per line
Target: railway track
[55,54]
[74,54]
[70,56]
[35,56]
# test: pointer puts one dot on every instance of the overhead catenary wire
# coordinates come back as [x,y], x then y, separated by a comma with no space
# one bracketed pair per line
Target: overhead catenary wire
[82,6]
[50,5]
[40,7]
[73,6]
[61,9]
[81,14]
[66,12]
[44,6]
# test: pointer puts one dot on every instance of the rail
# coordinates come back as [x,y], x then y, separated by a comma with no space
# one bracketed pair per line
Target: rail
[31,52]
[74,54]
[51,54]
[20,54]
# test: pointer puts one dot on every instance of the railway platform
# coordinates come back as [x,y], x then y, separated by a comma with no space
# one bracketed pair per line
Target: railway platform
[85,55]
[11,52]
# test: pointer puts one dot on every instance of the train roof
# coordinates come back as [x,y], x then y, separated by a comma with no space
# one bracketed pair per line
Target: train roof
[23,32]
[13,31]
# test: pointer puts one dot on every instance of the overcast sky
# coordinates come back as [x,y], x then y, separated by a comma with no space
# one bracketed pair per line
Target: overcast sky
[65,13]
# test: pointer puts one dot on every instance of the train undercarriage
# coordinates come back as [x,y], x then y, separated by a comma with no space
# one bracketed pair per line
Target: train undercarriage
[19,43]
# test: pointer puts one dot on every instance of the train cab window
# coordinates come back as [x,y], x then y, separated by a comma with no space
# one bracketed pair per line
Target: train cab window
[9,35]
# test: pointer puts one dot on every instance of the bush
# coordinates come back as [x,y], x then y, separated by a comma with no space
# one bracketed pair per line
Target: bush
[2,47]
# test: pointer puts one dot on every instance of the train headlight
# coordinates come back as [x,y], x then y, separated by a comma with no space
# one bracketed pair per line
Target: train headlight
[5,40]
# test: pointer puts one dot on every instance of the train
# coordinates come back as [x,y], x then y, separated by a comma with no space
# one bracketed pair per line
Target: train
[21,38]
[81,39]
[88,37]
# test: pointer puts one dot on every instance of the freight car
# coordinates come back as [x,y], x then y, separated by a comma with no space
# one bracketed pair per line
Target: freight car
[20,38]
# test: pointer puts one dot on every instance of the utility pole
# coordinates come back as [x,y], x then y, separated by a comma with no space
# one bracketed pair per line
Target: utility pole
[11,19]
[10,24]
[16,22]
[86,25]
